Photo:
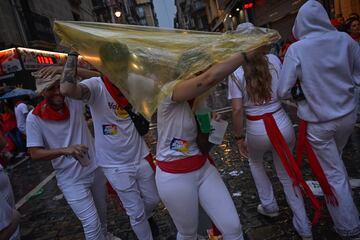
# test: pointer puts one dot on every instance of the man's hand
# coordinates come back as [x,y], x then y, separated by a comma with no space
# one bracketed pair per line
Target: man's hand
[242,145]
[77,151]
[50,71]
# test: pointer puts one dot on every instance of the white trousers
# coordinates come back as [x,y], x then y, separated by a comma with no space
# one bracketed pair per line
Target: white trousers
[137,191]
[181,194]
[258,146]
[328,141]
[87,198]
[7,204]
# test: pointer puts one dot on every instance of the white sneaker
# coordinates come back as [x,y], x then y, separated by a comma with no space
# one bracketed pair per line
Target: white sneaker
[111,236]
[262,211]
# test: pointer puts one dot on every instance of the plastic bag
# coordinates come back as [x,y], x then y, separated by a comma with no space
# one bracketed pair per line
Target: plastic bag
[141,60]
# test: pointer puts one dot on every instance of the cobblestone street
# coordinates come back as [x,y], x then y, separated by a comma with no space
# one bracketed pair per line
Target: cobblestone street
[47,217]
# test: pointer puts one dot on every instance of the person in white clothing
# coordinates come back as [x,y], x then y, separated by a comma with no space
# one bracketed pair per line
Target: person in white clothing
[21,111]
[122,153]
[326,63]
[9,216]
[184,176]
[253,88]
[57,131]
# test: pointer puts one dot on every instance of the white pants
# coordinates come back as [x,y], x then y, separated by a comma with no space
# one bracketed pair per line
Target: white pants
[7,204]
[138,194]
[328,141]
[258,145]
[87,198]
[181,194]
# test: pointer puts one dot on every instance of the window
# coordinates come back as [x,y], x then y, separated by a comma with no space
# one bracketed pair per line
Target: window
[140,12]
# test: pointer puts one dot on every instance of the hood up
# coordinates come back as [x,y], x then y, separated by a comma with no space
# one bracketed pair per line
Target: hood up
[312,21]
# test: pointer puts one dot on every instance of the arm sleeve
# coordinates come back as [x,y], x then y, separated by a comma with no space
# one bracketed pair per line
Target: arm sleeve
[288,75]
[94,86]
[33,133]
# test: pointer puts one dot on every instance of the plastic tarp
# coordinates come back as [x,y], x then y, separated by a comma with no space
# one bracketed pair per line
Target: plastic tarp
[142,60]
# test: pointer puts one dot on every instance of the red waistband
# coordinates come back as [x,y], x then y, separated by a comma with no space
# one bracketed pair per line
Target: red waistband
[260,117]
[184,165]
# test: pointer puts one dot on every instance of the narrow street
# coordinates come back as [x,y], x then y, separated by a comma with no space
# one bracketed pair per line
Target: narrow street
[46,214]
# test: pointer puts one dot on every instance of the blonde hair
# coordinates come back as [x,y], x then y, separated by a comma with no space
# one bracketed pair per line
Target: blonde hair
[258,79]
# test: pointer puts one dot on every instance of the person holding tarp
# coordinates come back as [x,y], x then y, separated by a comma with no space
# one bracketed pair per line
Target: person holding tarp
[120,149]
[326,65]
[57,132]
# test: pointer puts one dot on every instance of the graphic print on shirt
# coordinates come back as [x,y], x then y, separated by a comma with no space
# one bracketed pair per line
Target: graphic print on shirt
[119,111]
[179,145]
[110,129]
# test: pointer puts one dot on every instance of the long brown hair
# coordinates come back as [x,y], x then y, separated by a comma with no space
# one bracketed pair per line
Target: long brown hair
[258,79]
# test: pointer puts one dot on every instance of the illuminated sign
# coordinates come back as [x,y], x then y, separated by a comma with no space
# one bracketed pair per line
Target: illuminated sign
[248,5]
[45,60]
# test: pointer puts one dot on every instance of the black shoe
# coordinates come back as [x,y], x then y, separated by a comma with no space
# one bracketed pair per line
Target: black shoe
[154,227]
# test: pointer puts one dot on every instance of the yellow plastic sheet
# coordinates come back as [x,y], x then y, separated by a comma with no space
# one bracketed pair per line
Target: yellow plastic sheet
[141,60]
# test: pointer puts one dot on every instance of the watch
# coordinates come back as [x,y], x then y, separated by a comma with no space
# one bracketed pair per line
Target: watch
[240,137]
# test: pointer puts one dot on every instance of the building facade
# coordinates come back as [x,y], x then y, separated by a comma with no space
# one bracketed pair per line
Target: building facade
[29,22]
[191,14]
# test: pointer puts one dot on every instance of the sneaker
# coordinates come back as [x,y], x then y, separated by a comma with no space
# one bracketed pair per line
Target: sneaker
[111,236]
[262,211]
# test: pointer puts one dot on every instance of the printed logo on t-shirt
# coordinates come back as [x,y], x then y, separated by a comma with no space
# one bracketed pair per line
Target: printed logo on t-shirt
[110,129]
[119,111]
[179,145]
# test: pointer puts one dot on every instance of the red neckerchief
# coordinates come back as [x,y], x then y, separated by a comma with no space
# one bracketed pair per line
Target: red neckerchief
[45,112]
[115,93]
[356,37]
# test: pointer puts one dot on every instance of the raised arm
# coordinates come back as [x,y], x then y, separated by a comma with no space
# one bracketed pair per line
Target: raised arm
[68,85]
[191,88]
[194,87]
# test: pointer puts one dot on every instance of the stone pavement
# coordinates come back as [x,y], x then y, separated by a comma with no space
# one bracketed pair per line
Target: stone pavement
[47,218]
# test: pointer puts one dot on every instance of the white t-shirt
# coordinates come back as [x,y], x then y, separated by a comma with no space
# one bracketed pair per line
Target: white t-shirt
[177,131]
[61,134]
[20,112]
[117,141]
[238,90]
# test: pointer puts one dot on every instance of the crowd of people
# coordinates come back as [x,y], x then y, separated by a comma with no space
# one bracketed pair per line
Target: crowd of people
[183,176]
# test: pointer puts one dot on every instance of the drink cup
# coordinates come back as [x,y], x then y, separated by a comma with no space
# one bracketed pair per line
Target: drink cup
[204,119]
[85,160]
[218,131]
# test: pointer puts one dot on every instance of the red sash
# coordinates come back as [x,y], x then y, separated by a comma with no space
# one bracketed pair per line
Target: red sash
[304,145]
[115,93]
[184,165]
[45,112]
[151,161]
[287,159]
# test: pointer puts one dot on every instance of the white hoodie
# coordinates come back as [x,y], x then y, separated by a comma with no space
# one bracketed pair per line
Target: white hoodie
[327,64]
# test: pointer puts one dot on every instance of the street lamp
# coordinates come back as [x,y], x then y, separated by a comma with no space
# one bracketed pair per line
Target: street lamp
[117,14]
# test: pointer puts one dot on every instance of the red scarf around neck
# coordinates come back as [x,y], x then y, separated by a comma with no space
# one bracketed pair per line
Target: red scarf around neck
[115,93]
[46,112]
[18,102]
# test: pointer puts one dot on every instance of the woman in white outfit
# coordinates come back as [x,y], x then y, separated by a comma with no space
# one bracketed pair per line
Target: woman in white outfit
[184,177]
[253,88]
